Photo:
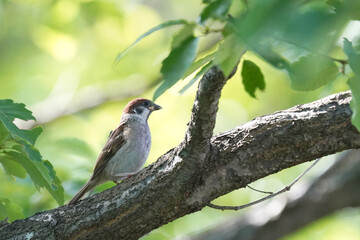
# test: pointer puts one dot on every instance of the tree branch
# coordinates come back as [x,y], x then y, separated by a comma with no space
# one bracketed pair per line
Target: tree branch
[202,123]
[169,188]
[336,189]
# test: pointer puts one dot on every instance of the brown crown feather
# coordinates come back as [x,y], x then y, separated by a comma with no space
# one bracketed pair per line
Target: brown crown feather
[134,103]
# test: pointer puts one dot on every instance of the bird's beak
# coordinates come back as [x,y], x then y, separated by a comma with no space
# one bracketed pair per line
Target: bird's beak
[155,107]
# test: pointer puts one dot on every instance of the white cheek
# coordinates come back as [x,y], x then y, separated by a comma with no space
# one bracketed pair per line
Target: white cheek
[145,113]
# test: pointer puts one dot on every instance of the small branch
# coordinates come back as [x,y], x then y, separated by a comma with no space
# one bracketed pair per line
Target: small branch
[342,62]
[285,189]
[257,190]
[205,107]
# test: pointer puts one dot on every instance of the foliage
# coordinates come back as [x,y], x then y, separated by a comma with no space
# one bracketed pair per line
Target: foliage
[252,77]
[19,156]
[64,49]
[354,81]
[270,29]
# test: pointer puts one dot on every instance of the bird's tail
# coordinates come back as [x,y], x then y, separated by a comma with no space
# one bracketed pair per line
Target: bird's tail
[89,185]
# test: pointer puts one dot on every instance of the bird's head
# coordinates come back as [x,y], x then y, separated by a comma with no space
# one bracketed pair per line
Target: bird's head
[141,107]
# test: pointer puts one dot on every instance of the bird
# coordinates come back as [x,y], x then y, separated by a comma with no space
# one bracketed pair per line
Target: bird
[126,149]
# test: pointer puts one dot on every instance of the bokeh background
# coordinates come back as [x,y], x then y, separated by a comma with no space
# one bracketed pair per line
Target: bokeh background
[57,57]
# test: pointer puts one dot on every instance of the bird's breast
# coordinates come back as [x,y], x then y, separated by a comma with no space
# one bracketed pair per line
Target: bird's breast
[132,156]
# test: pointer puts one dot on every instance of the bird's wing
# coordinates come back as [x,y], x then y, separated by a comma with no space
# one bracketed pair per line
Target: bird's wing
[115,141]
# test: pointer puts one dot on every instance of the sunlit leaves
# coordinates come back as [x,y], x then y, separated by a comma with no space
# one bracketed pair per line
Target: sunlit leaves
[252,77]
[349,8]
[270,56]
[198,63]
[41,173]
[197,76]
[9,111]
[295,36]
[215,10]
[176,64]
[287,27]
[15,110]
[18,154]
[186,32]
[154,29]
[12,168]
[354,82]
[354,57]
[311,72]
[229,54]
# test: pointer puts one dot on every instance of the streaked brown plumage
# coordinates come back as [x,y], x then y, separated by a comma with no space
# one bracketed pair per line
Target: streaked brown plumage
[126,149]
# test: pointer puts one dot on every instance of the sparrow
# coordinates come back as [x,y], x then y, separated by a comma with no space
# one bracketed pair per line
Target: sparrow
[126,149]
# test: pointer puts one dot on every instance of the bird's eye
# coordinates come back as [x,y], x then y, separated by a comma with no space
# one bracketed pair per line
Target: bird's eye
[146,103]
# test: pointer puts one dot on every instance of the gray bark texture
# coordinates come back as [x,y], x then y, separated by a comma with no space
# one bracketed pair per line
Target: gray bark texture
[336,189]
[202,168]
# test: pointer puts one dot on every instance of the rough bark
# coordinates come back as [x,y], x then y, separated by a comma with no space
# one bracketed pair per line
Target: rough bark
[201,168]
[336,189]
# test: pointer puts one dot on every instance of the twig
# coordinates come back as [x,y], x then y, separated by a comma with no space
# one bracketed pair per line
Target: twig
[257,190]
[285,189]
[342,62]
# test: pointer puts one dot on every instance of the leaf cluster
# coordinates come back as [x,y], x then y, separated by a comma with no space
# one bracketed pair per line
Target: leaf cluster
[297,37]
[19,157]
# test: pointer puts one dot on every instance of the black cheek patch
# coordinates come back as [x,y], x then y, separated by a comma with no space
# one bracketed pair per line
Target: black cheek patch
[138,110]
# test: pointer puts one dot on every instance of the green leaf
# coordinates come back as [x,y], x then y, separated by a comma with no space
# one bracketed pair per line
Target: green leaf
[311,72]
[350,9]
[252,77]
[247,29]
[270,56]
[186,32]
[197,76]
[15,110]
[354,57]
[175,65]
[18,154]
[4,133]
[28,135]
[216,10]
[41,173]
[198,63]
[9,111]
[154,29]
[10,210]
[354,84]
[12,168]
[229,53]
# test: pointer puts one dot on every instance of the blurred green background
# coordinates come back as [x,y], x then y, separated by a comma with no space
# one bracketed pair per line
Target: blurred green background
[58,55]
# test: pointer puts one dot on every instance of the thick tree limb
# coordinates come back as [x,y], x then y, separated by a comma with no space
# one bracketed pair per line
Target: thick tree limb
[177,184]
[336,189]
